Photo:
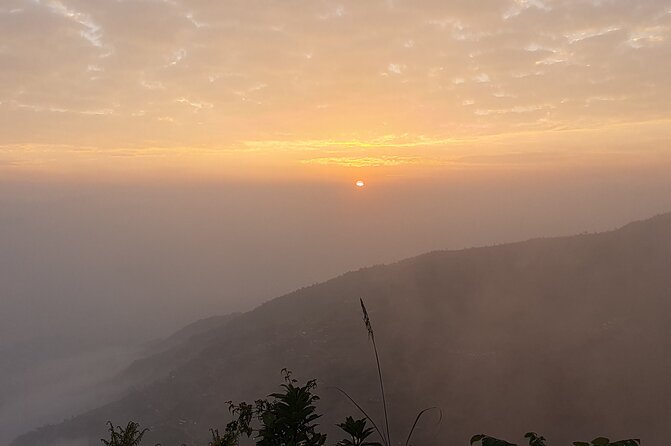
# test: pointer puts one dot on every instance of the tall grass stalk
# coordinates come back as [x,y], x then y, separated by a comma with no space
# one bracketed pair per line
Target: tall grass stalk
[371,335]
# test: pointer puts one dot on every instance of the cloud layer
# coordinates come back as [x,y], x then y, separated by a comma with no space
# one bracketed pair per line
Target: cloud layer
[120,74]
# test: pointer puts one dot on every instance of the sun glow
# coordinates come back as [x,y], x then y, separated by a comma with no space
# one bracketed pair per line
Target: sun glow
[360,183]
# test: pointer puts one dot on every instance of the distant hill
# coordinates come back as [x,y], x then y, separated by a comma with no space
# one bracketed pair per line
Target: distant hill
[194,329]
[566,336]
[178,349]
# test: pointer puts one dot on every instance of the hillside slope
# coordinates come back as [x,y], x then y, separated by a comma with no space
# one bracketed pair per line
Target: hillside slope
[566,336]
[178,349]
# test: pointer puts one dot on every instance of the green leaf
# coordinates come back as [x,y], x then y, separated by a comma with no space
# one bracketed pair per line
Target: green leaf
[476,438]
[490,441]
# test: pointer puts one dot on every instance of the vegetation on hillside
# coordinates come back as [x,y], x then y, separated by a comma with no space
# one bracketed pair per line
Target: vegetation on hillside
[289,418]
[131,435]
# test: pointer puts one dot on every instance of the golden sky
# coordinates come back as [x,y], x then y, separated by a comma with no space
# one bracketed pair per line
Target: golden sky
[331,89]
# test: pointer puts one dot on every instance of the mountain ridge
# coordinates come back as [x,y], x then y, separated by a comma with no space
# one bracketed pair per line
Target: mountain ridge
[503,309]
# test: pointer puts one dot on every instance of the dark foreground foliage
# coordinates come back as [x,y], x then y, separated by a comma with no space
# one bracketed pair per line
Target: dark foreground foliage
[289,418]
[536,440]
[131,435]
[285,418]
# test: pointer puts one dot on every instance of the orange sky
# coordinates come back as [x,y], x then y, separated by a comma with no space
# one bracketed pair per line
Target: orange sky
[328,89]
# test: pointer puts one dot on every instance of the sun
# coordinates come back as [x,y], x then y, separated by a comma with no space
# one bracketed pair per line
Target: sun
[360,183]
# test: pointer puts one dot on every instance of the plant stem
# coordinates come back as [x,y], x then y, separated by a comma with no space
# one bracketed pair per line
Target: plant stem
[384,400]
[369,327]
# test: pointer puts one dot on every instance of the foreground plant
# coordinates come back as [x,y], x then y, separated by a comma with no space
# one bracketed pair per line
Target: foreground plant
[131,435]
[384,436]
[371,336]
[286,419]
[231,436]
[603,441]
[358,433]
[536,440]
[486,440]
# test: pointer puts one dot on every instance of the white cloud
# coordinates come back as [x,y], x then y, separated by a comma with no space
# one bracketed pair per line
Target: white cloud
[577,36]
[198,105]
[394,68]
[177,56]
[91,31]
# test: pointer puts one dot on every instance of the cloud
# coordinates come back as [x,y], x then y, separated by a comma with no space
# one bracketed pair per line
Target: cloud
[368,161]
[392,141]
[200,71]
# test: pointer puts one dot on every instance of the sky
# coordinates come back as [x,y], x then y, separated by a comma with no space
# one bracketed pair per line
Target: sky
[152,150]
[163,161]
[323,90]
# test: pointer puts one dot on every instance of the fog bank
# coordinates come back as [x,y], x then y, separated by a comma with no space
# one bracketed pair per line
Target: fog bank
[90,271]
